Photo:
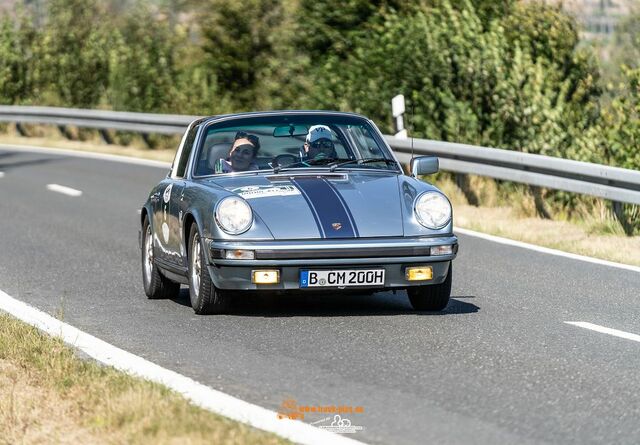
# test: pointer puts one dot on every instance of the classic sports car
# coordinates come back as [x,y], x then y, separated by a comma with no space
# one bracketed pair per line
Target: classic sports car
[295,201]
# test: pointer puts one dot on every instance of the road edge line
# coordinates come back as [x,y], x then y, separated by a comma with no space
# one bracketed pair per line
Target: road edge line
[197,393]
[547,250]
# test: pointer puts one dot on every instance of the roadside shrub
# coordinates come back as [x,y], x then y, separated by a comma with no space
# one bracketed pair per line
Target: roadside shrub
[16,59]
[71,53]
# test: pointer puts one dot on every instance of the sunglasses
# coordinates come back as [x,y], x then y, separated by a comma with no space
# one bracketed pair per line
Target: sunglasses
[322,143]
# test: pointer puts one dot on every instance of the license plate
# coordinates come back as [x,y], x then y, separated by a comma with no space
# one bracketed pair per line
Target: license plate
[341,278]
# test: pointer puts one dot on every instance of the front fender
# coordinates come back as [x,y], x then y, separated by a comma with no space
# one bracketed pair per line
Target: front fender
[410,188]
[203,201]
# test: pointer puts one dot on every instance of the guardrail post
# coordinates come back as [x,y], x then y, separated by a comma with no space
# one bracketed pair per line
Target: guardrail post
[106,137]
[538,200]
[147,140]
[65,132]
[20,129]
[462,181]
[618,211]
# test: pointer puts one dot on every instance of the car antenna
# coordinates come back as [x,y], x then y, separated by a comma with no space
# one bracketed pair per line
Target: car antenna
[410,125]
[413,109]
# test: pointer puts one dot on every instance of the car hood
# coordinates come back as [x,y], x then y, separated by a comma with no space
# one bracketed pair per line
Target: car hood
[331,205]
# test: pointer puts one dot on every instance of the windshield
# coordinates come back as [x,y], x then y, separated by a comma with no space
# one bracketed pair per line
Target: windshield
[291,142]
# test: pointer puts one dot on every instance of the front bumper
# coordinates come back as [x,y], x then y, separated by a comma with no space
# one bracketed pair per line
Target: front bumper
[289,257]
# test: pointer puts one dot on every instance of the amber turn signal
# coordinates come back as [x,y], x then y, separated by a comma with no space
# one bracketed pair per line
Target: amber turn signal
[420,273]
[265,276]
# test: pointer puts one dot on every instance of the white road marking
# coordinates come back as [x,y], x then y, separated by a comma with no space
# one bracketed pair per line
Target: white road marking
[1,175]
[604,330]
[573,256]
[199,394]
[64,190]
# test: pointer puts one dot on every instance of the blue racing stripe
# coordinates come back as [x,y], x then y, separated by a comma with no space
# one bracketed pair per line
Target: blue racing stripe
[312,208]
[345,206]
[328,207]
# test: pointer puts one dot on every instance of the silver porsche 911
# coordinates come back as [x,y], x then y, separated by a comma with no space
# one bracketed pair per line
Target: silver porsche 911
[295,201]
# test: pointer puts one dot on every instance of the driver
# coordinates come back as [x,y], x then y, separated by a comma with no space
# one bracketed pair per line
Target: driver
[319,144]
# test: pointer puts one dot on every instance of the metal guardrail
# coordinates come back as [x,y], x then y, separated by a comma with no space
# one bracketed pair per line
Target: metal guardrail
[100,119]
[612,183]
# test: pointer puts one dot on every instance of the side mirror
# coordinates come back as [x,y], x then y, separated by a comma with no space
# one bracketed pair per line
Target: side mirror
[424,165]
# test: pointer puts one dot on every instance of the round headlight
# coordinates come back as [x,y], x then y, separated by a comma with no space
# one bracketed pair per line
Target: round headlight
[234,215]
[433,210]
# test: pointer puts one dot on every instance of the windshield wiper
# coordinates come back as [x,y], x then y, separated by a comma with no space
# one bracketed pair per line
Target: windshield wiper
[364,161]
[321,161]
[309,163]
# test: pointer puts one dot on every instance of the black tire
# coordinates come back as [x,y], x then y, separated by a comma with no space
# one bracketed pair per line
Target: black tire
[434,297]
[156,285]
[205,297]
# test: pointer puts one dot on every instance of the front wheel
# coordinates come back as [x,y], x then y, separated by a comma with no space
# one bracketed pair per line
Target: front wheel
[205,298]
[156,285]
[434,297]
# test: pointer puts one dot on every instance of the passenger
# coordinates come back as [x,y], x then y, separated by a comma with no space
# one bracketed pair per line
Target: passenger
[319,144]
[242,155]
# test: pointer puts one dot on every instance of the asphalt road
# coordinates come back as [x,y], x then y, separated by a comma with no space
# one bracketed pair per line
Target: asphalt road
[498,366]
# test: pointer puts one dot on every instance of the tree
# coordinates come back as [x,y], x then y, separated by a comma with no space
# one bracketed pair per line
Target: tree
[489,10]
[143,73]
[72,53]
[16,83]
[239,44]
[328,26]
